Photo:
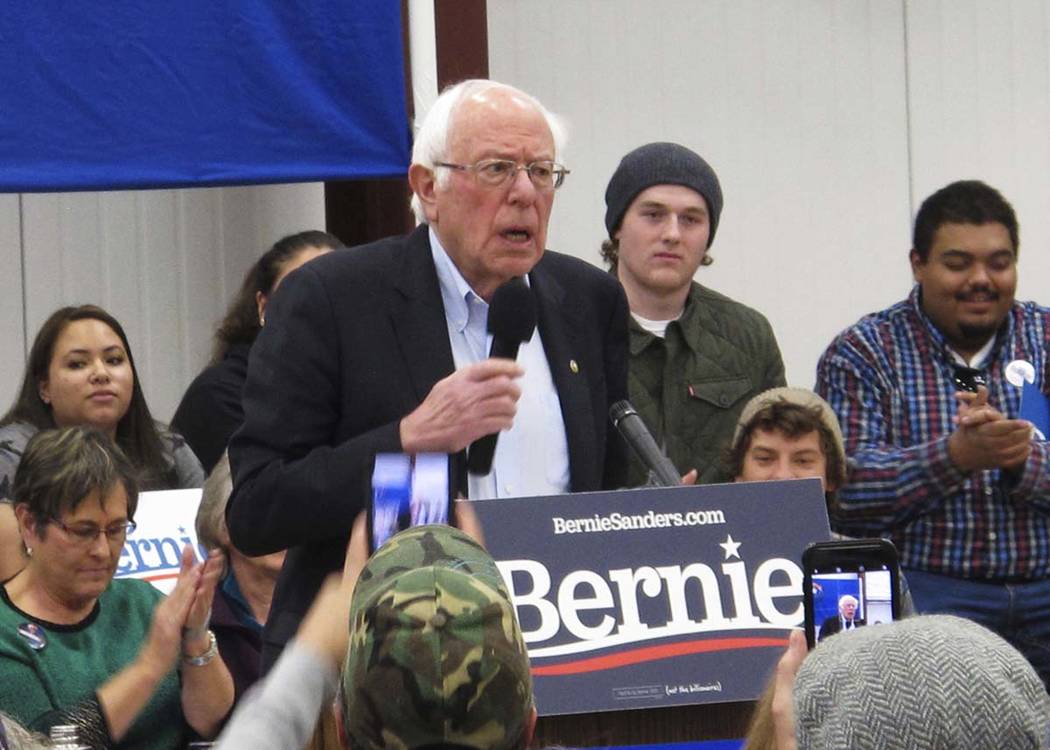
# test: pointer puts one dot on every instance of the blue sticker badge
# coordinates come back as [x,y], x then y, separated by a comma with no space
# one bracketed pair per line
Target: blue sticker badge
[33,634]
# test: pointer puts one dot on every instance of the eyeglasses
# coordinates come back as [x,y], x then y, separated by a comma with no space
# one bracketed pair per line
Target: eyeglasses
[545,175]
[87,534]
[968,378]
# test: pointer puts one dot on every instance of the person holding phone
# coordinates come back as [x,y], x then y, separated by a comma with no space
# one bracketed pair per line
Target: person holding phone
[933,681]
[462,695]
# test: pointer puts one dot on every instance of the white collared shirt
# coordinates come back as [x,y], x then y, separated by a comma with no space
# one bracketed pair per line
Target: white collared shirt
[977,360]
[532,457]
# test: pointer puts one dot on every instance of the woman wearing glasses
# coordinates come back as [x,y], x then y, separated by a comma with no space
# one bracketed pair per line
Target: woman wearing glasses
[80,372]
[78,647]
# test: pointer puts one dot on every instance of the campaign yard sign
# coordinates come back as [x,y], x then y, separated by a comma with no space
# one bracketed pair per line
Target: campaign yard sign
[164,525]
[655,597]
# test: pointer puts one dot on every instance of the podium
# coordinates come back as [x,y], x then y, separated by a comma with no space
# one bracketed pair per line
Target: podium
[712,721]
[654,615]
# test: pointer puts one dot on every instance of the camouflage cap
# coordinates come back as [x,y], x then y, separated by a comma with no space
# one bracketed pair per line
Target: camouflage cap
[436,655]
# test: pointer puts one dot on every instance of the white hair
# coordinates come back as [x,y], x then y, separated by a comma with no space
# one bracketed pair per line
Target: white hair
[432,134]
[846,599]
[211,512]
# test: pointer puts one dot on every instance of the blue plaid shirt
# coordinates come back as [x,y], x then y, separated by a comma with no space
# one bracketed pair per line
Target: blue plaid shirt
[889,379]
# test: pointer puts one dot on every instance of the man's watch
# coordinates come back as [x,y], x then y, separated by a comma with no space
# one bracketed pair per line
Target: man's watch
[206,657]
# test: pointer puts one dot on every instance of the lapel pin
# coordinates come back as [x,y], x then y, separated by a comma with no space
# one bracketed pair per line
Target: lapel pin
[1020,372]
[573,367]
[33,634]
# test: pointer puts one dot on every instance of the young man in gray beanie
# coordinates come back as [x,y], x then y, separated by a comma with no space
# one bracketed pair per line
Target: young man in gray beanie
[696,356]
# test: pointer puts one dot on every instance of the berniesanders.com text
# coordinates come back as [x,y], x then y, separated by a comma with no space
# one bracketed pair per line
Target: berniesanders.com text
[631,522]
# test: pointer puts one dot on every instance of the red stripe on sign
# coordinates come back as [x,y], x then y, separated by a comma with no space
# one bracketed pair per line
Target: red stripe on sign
[160,576]
[655,653]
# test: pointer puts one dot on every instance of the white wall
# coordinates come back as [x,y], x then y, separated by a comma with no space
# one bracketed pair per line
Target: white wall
[822,118]
[164,262]
[12,318]
[979,95]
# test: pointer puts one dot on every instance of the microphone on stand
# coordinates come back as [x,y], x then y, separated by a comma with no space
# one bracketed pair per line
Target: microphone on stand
[512,319]
[637,435]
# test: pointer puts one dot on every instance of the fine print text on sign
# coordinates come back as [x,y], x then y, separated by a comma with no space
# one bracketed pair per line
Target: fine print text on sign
[655,597]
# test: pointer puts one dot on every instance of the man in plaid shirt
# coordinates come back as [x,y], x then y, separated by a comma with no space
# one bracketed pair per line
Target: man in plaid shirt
[939,460]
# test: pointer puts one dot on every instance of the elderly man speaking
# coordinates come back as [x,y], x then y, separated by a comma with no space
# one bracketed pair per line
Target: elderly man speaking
[845,620]
[383,348]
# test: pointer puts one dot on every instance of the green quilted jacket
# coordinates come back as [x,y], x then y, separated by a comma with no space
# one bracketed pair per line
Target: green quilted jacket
[691,386]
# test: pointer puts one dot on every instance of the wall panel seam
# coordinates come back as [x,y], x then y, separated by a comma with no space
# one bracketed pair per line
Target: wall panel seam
[907,109]
[22,276]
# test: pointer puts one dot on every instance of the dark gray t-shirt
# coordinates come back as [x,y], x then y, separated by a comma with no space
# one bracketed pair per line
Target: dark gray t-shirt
[187,471]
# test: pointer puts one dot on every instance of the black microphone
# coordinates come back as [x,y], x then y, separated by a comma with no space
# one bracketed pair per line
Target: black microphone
[641,441]
[512,319]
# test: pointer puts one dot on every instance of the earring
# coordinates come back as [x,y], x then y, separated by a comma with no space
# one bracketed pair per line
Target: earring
[29,551]
[262,320]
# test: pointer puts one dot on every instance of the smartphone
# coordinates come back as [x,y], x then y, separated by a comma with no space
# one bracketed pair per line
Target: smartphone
[849,584]
[407,491]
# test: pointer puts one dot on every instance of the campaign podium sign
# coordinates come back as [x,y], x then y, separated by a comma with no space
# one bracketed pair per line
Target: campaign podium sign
[655,597]
[164,525]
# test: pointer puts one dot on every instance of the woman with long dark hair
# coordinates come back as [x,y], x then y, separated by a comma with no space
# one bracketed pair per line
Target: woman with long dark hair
[81,372]
[210,409]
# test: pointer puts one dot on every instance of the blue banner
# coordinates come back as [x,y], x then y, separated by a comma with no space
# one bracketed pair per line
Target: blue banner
[655,597]
[198,93]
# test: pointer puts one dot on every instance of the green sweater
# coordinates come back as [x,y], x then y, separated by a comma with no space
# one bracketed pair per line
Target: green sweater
[691,386]
[79,658]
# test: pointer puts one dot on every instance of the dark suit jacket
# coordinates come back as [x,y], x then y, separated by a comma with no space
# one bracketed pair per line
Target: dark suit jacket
[354,341]
[831,625]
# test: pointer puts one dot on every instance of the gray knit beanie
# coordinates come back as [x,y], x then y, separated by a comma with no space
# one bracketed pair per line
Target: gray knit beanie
[661,164]
[936,682]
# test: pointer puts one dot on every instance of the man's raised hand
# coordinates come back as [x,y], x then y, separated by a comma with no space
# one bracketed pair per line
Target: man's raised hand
[472,402]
